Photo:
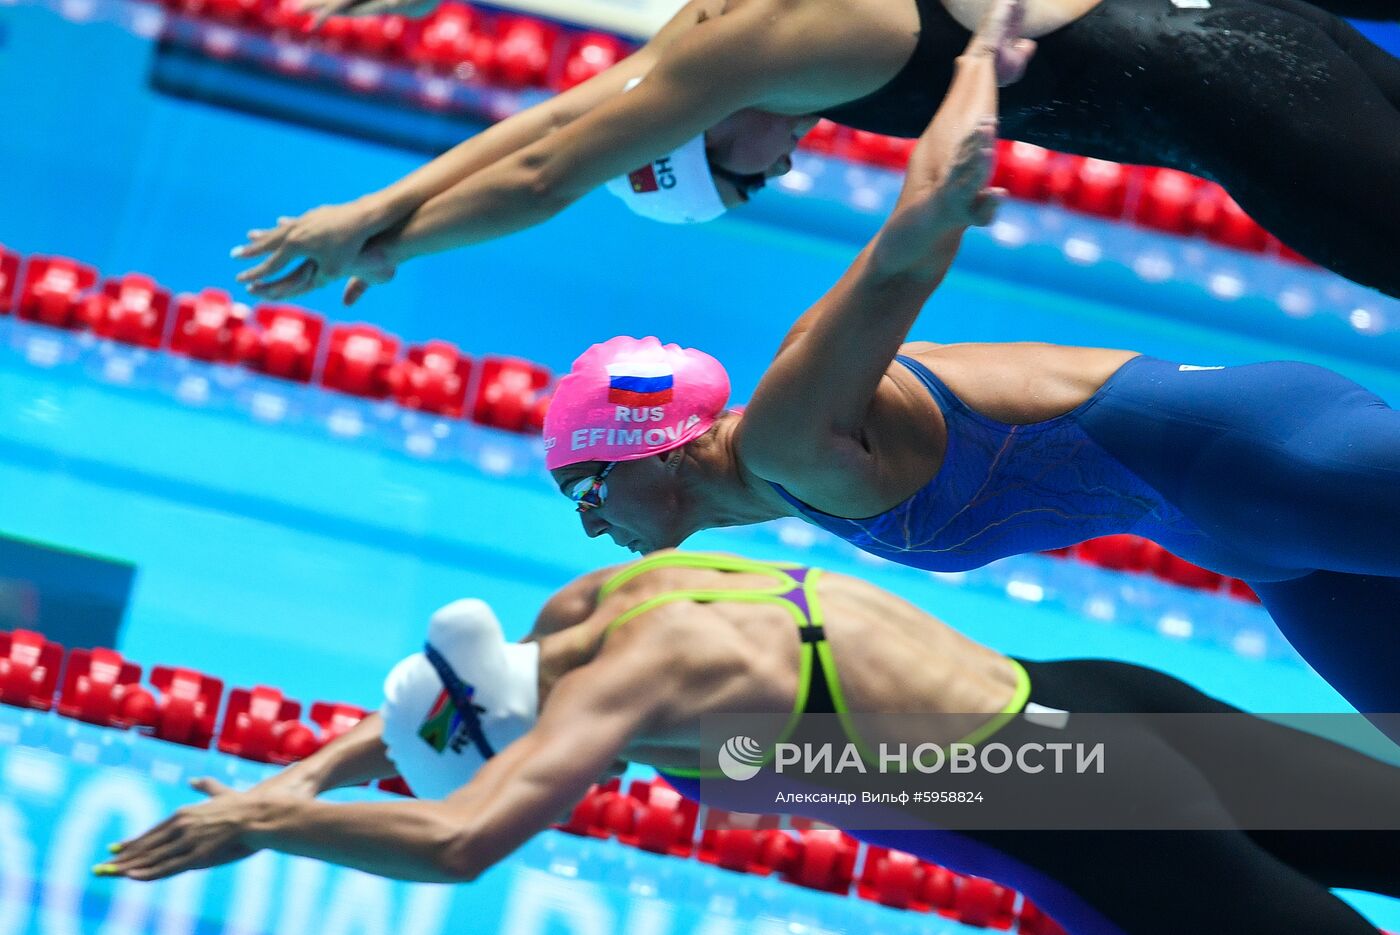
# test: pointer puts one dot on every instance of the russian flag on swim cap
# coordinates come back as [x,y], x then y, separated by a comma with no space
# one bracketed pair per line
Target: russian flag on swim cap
[630,398]
[640,383]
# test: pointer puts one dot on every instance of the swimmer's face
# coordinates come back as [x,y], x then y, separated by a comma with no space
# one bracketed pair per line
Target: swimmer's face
[642,510]
[752,145]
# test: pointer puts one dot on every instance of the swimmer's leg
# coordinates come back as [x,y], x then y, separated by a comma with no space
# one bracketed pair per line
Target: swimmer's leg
[1292,466]
[1348,628]
[1336,486]
[1300,771]
[1350,860]
[1218,761]
[1380,66]
[1225,866]
[1172,882]
[1309,153]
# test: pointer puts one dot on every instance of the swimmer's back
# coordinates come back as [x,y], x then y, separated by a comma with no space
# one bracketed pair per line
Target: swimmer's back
[890,655]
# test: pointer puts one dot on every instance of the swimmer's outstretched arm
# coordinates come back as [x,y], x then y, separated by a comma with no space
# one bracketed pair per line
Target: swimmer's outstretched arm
[333,235]
[805,426]
[589,717]
[783,57]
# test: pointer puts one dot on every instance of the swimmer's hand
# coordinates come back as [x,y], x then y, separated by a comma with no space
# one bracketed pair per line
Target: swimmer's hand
[329,241]
[944,194]
[194,838]
[323,10]
[999,37]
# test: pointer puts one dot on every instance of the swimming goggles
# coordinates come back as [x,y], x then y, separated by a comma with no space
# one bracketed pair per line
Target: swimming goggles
[589,493]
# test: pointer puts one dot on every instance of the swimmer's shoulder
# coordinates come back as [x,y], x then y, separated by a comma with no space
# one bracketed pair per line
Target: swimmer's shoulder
[573,603]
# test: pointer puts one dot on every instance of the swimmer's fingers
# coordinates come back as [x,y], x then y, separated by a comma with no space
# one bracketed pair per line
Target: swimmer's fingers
[299,281]
[191,856]
[359,285]
[985,206]
[154,836]
[1012,61]
[194,837]
[260,242]
[354,291]
[210,787]
[283,254]
[137,865]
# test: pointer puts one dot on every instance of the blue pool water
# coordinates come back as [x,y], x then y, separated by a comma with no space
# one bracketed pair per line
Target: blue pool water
[275,545]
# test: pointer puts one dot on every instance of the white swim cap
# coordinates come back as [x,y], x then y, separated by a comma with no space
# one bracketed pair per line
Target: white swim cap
[678,188]
[462,700]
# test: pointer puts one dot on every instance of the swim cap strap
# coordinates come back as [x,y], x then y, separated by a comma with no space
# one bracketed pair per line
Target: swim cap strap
[468,711]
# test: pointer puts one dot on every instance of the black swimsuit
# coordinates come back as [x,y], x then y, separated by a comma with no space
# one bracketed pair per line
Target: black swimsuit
[1285,105]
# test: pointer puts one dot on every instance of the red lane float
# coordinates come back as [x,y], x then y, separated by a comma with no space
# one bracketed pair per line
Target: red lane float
[188,706]
[1169,567]
[903,881]
[587,813]
[432,377]
[1135,554]
[359,360]
[395,786]
[1221,219]
[9,278]
[261,724]
[823,859]
[282,342]
[890,152]
[29,667]
[1167,201]
[665,821]
[1240,589]
[100,687]
[208,326]
[524,50]
[823,137]
[450,37]
[381,37]
[507,392]
[335,718]
[984,904]
[1092,186]
[1121,553]
[1023,169]
[589,54]
[52,291]
[133,309]
[286,20]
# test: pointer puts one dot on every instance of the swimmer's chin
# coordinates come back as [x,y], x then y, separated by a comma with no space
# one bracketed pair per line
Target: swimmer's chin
[639,547]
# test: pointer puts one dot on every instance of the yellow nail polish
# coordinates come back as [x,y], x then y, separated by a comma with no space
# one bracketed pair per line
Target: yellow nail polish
[104,870]
[114,848]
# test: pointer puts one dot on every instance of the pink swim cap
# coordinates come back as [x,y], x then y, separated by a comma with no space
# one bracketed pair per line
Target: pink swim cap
[626,399]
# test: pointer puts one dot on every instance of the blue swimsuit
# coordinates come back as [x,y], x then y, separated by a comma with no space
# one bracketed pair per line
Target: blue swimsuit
[1284,474]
